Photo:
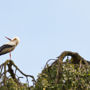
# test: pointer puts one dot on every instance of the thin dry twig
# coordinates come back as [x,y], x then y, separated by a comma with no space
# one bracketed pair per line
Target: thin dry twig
[48,62]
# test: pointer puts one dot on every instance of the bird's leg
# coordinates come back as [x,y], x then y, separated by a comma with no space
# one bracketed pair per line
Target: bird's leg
[10,55]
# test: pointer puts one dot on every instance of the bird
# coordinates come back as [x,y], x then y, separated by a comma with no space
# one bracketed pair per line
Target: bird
[9,46]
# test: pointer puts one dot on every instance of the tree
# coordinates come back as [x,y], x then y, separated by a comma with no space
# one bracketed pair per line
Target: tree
[73,74]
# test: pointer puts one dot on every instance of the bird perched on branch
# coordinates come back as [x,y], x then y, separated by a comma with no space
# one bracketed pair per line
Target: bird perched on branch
[10,46]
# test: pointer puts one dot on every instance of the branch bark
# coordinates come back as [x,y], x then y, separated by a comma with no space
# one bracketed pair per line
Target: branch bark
[10,70]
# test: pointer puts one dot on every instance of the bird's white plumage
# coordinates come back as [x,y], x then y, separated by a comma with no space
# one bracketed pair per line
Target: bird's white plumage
[14,41]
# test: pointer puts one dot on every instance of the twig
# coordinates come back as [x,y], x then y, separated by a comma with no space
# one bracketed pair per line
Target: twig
[48,62]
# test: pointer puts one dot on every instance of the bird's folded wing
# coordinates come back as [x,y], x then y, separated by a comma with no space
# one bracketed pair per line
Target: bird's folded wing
[5,49]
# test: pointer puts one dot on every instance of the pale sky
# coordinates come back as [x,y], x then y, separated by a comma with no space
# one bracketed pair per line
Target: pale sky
[46,28]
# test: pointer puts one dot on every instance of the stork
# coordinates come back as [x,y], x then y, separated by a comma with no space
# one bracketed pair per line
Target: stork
[10,46]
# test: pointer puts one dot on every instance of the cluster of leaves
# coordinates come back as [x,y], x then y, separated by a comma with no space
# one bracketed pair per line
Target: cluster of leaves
[74,77]
[11,85]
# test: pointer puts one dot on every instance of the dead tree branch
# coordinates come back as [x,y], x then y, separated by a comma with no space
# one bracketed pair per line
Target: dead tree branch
[12,72]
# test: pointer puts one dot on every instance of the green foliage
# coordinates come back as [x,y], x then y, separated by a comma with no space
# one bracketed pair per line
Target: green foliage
[11,85]
[74,77]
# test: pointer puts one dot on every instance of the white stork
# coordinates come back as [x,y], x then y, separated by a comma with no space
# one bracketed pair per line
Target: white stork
[10,46]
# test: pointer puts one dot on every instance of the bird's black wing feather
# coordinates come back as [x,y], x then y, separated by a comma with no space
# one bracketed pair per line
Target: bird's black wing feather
[4,47]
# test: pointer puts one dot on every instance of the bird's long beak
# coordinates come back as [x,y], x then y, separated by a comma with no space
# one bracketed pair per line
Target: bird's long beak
[8,38]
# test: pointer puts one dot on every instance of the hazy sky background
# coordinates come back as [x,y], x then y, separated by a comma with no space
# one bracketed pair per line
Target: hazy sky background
[46,28]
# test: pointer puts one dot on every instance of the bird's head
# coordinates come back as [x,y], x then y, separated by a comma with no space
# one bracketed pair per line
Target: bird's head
[16,40]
